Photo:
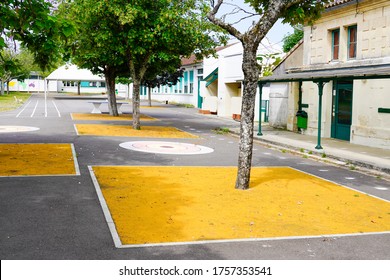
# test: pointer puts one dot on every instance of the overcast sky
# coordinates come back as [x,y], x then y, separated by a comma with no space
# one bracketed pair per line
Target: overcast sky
[275,35]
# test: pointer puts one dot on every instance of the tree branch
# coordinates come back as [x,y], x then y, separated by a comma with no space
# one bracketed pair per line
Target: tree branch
[228,27]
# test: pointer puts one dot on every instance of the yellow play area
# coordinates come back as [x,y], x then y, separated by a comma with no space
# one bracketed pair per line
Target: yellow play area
[161,204]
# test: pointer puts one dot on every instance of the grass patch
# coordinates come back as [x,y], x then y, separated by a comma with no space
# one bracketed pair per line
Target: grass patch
[8,103]
[221,130]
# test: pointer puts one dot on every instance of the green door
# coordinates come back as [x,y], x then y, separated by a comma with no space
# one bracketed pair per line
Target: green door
[342,110]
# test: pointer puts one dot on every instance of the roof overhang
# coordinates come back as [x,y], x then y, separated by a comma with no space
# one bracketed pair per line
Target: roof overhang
[211,77]
[381,71]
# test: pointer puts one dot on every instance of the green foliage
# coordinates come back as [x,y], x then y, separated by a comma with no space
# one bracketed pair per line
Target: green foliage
[268,62]
[35,25]
[297,13]
[222,130]
[290,40]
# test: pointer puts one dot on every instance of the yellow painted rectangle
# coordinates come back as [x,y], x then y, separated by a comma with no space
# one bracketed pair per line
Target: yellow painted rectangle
[106,117]
[128,131]
[186,204]
[36,159]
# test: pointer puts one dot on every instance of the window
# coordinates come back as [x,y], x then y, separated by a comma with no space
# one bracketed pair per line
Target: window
[191,82]
[335,44]
[352,41]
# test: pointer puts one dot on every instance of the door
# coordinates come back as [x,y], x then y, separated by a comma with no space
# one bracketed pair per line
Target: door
[342,110]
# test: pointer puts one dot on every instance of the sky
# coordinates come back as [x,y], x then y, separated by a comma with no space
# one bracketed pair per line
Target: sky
[275,35]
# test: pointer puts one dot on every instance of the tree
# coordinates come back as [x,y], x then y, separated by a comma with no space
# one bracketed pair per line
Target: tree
[98,42]
[164,70]
[172,28]
[290,40]
[267,12]
[34,24]
[11,67]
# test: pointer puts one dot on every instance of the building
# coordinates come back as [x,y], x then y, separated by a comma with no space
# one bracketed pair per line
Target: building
[221,88]
[186,91]
[339,75]
[70,78]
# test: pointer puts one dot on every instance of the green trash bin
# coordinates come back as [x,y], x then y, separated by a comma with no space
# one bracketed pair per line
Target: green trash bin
[302,119]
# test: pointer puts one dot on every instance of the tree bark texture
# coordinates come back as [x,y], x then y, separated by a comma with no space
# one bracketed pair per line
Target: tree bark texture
[136,104]
[110,83]
[251,73]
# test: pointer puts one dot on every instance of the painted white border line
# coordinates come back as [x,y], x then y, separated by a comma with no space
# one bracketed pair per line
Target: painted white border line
[21,111]
[75,128]
[118,244]
[106,211]
[35,108]
[219,241]
[75,162]
[58,111]
[338,184]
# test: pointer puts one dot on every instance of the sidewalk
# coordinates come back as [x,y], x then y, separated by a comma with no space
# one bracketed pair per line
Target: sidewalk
[343,153]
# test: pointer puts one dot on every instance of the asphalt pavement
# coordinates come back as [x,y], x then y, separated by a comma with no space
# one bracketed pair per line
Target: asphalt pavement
[60,217]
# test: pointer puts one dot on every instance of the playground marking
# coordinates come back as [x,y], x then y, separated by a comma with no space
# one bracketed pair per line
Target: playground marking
[38,160]
[106,117]
[170,148]
[15,128]
[128,131]
[158,206]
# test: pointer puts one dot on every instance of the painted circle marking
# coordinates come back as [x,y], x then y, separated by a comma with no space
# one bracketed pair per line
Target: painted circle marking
[13,128]
[382,188]
[160,147]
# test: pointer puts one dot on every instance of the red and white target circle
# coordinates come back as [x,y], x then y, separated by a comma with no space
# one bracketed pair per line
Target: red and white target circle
[172,148]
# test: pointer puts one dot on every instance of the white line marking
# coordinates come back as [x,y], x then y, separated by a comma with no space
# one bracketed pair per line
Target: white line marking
[106,211]
[36,105]
[59,114]
[45,106]
[381,188]
[75,128]
[23,109]
[76,163]
[338,184]
[251,240]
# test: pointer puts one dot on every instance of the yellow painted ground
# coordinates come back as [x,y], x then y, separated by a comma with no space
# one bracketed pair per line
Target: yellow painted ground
[182,204]
[153,107]
[128,131]
[36,159]
[106,117]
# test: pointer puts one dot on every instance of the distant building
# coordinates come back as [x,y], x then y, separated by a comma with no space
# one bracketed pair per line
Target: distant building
[186,91]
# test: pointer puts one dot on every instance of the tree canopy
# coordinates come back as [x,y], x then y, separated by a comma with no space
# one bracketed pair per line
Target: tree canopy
[290,40]
[34,24]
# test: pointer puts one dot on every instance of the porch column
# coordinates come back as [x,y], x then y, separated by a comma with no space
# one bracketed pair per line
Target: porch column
[260,100]
[320,85]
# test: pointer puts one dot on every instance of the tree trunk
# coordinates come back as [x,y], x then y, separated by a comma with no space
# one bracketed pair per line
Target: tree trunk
[136,104]
[251,77]
[2,88]
[150,96]
[7,87]
[110,83]
[78,87]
